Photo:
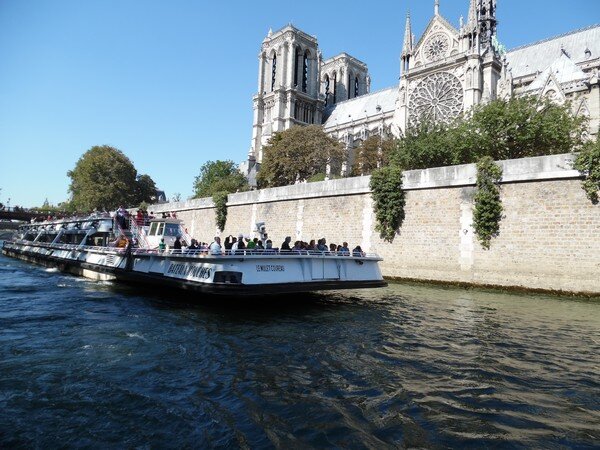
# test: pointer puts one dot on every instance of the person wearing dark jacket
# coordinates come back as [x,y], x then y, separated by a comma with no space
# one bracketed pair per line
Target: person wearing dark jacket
[285,247]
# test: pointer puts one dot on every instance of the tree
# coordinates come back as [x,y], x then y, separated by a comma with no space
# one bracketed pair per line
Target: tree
[105,178]
[517,128]
[297,154]
[373,153]
[145,189]
[219,176]
[425,145]
[525,126]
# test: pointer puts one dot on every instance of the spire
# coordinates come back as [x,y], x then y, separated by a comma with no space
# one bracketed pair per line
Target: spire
[407,48]
[472,20]
[436,8]
[487,23]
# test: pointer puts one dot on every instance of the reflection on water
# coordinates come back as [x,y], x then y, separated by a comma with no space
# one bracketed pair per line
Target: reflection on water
[94,364]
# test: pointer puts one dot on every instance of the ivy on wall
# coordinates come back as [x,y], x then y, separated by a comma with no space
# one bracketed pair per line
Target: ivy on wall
[220,201]
[488,206]
[588,163]
[389,201]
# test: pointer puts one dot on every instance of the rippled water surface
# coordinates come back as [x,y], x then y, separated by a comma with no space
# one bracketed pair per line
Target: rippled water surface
[90,364]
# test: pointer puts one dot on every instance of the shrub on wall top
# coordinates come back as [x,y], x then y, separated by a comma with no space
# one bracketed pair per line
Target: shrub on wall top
[389,198]
[588,163]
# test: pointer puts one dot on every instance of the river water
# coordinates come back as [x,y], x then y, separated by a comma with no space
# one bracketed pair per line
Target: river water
[93,364]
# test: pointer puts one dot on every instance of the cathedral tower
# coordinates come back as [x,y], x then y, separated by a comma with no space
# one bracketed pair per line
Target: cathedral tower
[288,86]
[343,77]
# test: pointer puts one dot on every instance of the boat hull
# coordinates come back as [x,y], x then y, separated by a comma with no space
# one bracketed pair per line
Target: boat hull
[231,275]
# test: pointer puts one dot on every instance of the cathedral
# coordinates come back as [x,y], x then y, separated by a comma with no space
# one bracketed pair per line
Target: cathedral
[443,74]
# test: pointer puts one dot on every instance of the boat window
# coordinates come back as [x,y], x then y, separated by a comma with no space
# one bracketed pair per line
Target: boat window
[152,231]
[161,228]
[172,229]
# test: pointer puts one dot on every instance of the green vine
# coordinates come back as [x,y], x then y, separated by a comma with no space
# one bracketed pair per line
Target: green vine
[389,198]
[488,207]
[220,201]
[588,163]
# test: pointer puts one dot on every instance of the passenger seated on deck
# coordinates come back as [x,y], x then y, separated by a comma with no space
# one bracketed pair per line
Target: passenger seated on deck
[357,251]
[241,244]
[119,242]
[177,244]
[229,240]
[162,246]
[322,245]
[269,247]
[344,250]
[285,246]
[252,244]
[332,248]
[215,247]
[235,245]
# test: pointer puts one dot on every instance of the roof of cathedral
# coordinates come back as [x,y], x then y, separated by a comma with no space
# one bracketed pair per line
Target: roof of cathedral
[359,108]
[538,56]
[563,69]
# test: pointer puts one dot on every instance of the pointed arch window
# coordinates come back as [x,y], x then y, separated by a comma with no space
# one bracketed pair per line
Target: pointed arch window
[334,88]
[274,72]
[297,56]
[305,71]
[356,86]
[349,84]
[326,89]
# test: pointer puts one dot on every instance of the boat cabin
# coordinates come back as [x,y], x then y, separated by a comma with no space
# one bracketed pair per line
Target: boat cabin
[78,231]
[167,229]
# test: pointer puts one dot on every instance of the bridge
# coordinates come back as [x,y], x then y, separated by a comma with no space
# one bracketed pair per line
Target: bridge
[22,214]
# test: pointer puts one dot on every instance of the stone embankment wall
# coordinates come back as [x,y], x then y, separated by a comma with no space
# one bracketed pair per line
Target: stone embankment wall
[549,235]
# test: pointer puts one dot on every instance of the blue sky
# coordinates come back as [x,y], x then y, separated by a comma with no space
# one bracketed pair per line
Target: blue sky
[170,83]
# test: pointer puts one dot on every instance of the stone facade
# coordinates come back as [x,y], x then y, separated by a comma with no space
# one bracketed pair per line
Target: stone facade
[549,235]
[444,73]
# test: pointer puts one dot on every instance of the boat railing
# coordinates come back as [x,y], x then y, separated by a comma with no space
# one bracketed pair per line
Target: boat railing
[200,252]
[237,253]
[62,246]
[137,230]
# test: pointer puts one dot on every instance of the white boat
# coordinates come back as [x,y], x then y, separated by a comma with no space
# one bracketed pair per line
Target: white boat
[98,248]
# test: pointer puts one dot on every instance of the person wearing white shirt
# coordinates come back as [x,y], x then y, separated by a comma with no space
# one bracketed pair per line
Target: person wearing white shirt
[215,247]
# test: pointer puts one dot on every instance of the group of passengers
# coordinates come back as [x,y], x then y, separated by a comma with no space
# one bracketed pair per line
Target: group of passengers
[237,244]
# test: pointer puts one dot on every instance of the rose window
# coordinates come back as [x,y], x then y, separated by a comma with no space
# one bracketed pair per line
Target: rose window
[438,97]
[436,47]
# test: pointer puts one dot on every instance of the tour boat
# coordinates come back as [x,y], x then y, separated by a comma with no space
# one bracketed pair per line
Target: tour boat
[101,248]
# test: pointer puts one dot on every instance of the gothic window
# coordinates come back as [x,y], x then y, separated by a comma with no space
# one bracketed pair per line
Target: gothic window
[296,66]
[437,97]
[356,86]
[334,88]
[305,71]
[436,47]
[274,72]
[349,84]
[326,89]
